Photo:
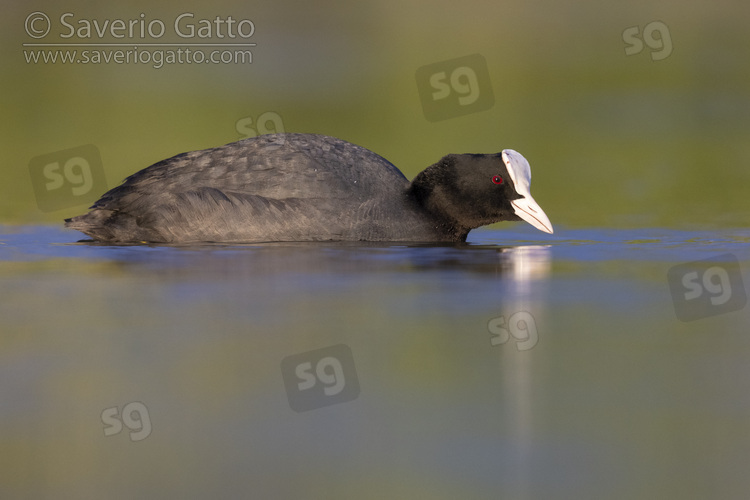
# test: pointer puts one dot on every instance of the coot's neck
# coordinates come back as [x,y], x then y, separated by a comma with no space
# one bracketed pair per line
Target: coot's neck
[428,191]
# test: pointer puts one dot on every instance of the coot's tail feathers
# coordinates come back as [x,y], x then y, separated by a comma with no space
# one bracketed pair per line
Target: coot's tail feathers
[96,224]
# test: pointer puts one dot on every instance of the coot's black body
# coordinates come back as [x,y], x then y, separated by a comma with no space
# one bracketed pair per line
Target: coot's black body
[304,187]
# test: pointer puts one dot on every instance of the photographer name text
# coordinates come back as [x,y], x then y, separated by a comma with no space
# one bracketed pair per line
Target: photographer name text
[185,26]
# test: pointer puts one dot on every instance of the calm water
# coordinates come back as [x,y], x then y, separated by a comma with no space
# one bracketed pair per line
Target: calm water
[521,365]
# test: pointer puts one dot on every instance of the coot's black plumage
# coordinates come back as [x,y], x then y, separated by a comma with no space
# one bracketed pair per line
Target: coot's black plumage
[305,187]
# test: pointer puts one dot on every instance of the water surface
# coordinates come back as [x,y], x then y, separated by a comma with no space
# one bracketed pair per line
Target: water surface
[519,365]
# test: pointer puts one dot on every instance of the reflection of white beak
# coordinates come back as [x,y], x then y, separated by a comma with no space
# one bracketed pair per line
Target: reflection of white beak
[528,209]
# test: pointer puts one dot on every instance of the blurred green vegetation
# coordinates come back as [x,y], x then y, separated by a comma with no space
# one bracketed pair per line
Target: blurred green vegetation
[613,139]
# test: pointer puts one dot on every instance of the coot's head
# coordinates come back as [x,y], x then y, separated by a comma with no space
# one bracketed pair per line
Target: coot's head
[473,190]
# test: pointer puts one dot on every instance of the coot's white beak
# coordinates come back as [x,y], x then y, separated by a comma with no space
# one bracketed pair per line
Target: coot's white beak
[526,208]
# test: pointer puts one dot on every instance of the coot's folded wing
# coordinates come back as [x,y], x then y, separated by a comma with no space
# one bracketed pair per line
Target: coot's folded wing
[274,166]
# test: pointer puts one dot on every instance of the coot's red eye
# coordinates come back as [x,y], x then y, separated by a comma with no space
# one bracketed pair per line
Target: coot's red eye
[497,179]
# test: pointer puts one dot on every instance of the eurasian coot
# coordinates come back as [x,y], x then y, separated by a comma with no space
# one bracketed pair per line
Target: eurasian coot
[306,187]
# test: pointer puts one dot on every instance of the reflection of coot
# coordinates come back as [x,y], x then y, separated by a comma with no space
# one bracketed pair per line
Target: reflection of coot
[304,187]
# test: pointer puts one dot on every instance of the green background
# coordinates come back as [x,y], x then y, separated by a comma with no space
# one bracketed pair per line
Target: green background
[613,140]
